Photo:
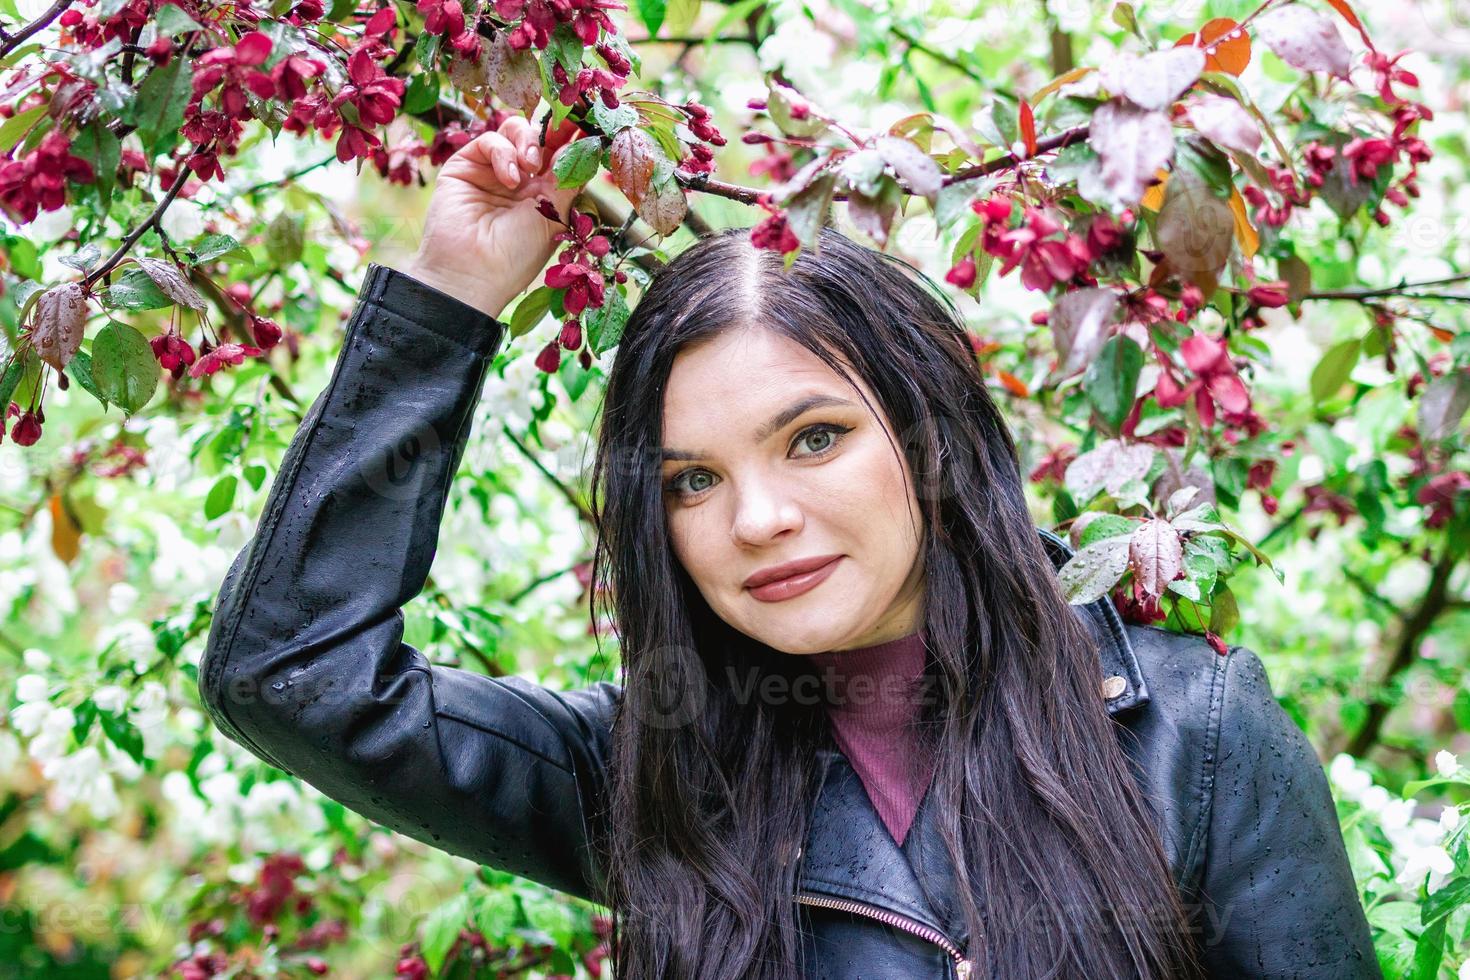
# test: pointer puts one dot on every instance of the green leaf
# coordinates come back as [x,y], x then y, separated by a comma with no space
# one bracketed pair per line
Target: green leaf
[606,326]
[652,13]
[1090,573]
[135,290]
[8,381]
[162,98]
[255,475]
[15,127]
[1106,526]
[1331,373]
[285,238]
[96,144]
[86,713]
[427,50]
[1112,379]
[953,200]
[1429,950]
[530,310]
[221,497]
[611,121]
[681,15]
[1449,897]
[422,93]
[211,247]
[123,366]
[172,20]
[495,914]
[441,929]
[80,370]
[578,164]
[120,732]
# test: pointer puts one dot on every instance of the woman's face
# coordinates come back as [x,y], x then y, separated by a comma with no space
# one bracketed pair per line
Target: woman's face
[770,457]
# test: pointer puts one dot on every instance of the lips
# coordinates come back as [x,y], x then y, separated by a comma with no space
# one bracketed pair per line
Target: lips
[792,578]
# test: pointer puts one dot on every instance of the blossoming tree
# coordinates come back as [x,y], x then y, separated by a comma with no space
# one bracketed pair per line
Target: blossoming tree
[1178,235]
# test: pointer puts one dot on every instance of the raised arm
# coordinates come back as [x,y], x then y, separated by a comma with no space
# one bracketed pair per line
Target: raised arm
[305,663]
[1277,884]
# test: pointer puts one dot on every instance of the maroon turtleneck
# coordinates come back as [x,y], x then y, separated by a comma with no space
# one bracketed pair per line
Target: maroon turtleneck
[872,693]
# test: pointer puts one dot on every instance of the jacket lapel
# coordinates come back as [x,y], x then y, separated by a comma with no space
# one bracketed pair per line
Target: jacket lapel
[850,854]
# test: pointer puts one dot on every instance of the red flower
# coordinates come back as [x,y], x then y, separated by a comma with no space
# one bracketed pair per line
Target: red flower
[173,352]
[375,95]
[38,180]
[217,357]
[1044,262]
[290,75]
[236,68]
[583,284]
[549,359]
[962,274]
[267,332]
[1215,380]
[1269,294]
[1439,496]
[27,429]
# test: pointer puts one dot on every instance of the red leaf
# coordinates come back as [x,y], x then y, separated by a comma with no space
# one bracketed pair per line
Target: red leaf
[1028,128]
[1341,6]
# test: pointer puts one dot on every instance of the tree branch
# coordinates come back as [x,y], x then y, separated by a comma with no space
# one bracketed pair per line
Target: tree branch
[1406,647]
[20,37]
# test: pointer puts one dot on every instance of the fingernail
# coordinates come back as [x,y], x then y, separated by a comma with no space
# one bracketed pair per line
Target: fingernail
[533,155]
[515,173]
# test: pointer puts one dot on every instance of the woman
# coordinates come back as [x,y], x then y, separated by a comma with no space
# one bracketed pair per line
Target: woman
[800,476]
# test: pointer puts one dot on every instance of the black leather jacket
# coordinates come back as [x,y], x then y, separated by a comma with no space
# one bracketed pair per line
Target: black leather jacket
[306,666]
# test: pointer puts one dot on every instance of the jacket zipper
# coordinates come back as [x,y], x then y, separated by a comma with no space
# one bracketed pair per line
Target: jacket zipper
[962,966]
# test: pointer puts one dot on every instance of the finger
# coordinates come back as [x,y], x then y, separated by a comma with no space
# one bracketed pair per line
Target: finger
[518,130]
[496,152]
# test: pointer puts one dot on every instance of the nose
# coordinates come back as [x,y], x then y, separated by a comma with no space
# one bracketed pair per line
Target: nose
[763,513]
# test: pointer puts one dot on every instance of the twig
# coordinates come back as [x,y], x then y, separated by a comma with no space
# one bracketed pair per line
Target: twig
[1406,648]
[138,232]
[17,39]
[566,491]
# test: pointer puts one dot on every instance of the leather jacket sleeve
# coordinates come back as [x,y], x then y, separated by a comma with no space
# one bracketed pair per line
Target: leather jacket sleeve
[1278,892]
[305,663]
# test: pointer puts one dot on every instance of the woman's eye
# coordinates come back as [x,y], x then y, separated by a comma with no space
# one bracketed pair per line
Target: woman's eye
[688,478]
[820,439]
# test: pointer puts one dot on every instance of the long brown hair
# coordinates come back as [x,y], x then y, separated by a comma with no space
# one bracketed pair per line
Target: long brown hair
[1057,862]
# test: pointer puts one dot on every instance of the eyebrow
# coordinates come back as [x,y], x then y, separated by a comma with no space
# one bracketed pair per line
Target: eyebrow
[779,421]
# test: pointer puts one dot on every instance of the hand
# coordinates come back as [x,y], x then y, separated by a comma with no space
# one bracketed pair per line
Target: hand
[484,241]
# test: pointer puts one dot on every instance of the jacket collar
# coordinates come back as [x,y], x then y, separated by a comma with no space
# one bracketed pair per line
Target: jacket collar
[850,854]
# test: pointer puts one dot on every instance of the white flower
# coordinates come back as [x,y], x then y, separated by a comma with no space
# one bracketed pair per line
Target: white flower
[121,597]
[32,687]
[1446,763]
[1351,781]
[1374,799]
[1464,973]
[55,735]
[1421,859]
[1395,813]
[10,752]
[28,717]
[81,778]
[1449,819]
[36,659]
[110,697]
